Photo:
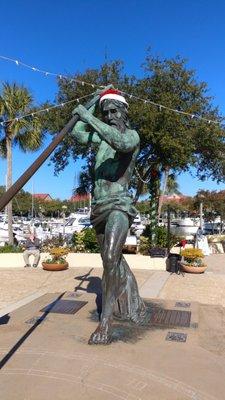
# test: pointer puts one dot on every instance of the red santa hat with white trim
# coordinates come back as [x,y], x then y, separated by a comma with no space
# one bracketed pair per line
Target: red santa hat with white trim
[112,94]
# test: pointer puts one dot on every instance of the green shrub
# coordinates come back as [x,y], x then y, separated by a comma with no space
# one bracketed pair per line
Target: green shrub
[56,241]
[8,248]
[161,238]
[90,241]
[143,247]
[85,241]
[78,242]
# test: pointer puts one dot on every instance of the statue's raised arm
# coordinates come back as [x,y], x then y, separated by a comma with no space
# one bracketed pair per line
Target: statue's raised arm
[80,130]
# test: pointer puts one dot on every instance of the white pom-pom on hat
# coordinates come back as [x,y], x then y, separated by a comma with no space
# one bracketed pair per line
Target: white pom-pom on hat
[113,94]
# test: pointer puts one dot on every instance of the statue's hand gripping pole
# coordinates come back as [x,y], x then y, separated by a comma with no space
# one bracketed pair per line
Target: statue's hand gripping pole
[14,189]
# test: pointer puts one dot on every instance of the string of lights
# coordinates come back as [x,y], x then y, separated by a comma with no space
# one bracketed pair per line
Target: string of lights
[139,177]
[161,107]
[48,73]
[61,76]
[2,123]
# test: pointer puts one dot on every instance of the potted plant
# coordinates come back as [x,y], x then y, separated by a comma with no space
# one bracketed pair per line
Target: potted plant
[56,260]
[192,261]
[160,246]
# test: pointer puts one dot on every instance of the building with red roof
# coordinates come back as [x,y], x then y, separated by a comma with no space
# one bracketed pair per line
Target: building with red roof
[80,197]
[177,198]
[42,196]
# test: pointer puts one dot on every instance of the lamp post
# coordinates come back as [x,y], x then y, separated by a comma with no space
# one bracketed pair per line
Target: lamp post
[201,197]
[168,228]
[201,214]
[64,208]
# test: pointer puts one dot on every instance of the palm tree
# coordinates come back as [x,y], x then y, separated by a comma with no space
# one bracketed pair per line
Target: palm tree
[170,186]
[15,101]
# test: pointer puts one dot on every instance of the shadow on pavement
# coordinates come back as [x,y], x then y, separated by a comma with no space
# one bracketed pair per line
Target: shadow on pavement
[27,334]
[5,319]
[94,286]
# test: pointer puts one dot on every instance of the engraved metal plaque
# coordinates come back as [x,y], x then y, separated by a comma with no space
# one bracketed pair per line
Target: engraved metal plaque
[182,304]
[73,294]
[64,306]
[171,318]
[176,336]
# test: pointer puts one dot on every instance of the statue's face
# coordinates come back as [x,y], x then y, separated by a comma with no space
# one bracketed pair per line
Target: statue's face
[112,115]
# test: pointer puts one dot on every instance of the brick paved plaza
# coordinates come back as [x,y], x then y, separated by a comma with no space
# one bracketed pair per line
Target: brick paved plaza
[45,355]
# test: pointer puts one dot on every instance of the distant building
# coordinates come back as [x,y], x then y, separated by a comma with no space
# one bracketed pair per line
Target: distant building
[42,196]
[177,198]
[81,199]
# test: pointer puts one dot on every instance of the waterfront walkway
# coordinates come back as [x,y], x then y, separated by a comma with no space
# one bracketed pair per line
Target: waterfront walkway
[179,354]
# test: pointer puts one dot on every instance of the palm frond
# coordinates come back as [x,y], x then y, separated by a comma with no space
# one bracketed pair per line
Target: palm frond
[25,132]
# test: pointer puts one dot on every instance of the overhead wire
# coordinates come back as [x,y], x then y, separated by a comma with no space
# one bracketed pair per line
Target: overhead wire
[131,96]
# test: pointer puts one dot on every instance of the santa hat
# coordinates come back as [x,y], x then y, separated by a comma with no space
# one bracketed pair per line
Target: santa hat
[112,94]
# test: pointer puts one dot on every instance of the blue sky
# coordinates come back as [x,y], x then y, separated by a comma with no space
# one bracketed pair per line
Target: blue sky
[71,36]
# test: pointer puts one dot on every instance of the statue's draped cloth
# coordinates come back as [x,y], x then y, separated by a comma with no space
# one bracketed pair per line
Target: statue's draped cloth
[101,209]
[129,305]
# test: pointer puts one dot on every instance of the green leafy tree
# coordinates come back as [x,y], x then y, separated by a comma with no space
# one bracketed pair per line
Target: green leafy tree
[213,204]
[142,207]
[176,140]
[170,141]
[15,101]
[22,203]
[71,90]
[184,207]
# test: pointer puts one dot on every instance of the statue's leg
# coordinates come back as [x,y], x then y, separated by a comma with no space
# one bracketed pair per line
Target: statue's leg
[100,238]
[113,280]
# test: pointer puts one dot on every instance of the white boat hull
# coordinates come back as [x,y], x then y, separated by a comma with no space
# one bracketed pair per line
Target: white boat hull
[184,227]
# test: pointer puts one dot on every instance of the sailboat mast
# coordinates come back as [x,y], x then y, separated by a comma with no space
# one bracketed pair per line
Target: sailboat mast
[32,201]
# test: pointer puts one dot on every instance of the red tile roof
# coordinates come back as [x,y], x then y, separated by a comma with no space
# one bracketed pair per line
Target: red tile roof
[173,197]
[42,196]
[80,197]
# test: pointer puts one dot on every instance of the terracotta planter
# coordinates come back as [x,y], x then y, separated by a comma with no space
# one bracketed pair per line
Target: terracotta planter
[193,270]
[55,267]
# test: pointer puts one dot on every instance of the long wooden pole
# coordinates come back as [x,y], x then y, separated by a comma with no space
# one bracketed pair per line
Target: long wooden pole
[14,189]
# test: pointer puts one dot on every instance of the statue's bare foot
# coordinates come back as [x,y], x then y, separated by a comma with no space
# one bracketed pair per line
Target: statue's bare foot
[102,335]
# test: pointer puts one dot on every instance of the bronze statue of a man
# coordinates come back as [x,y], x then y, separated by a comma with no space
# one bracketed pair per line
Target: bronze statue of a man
[112,206]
